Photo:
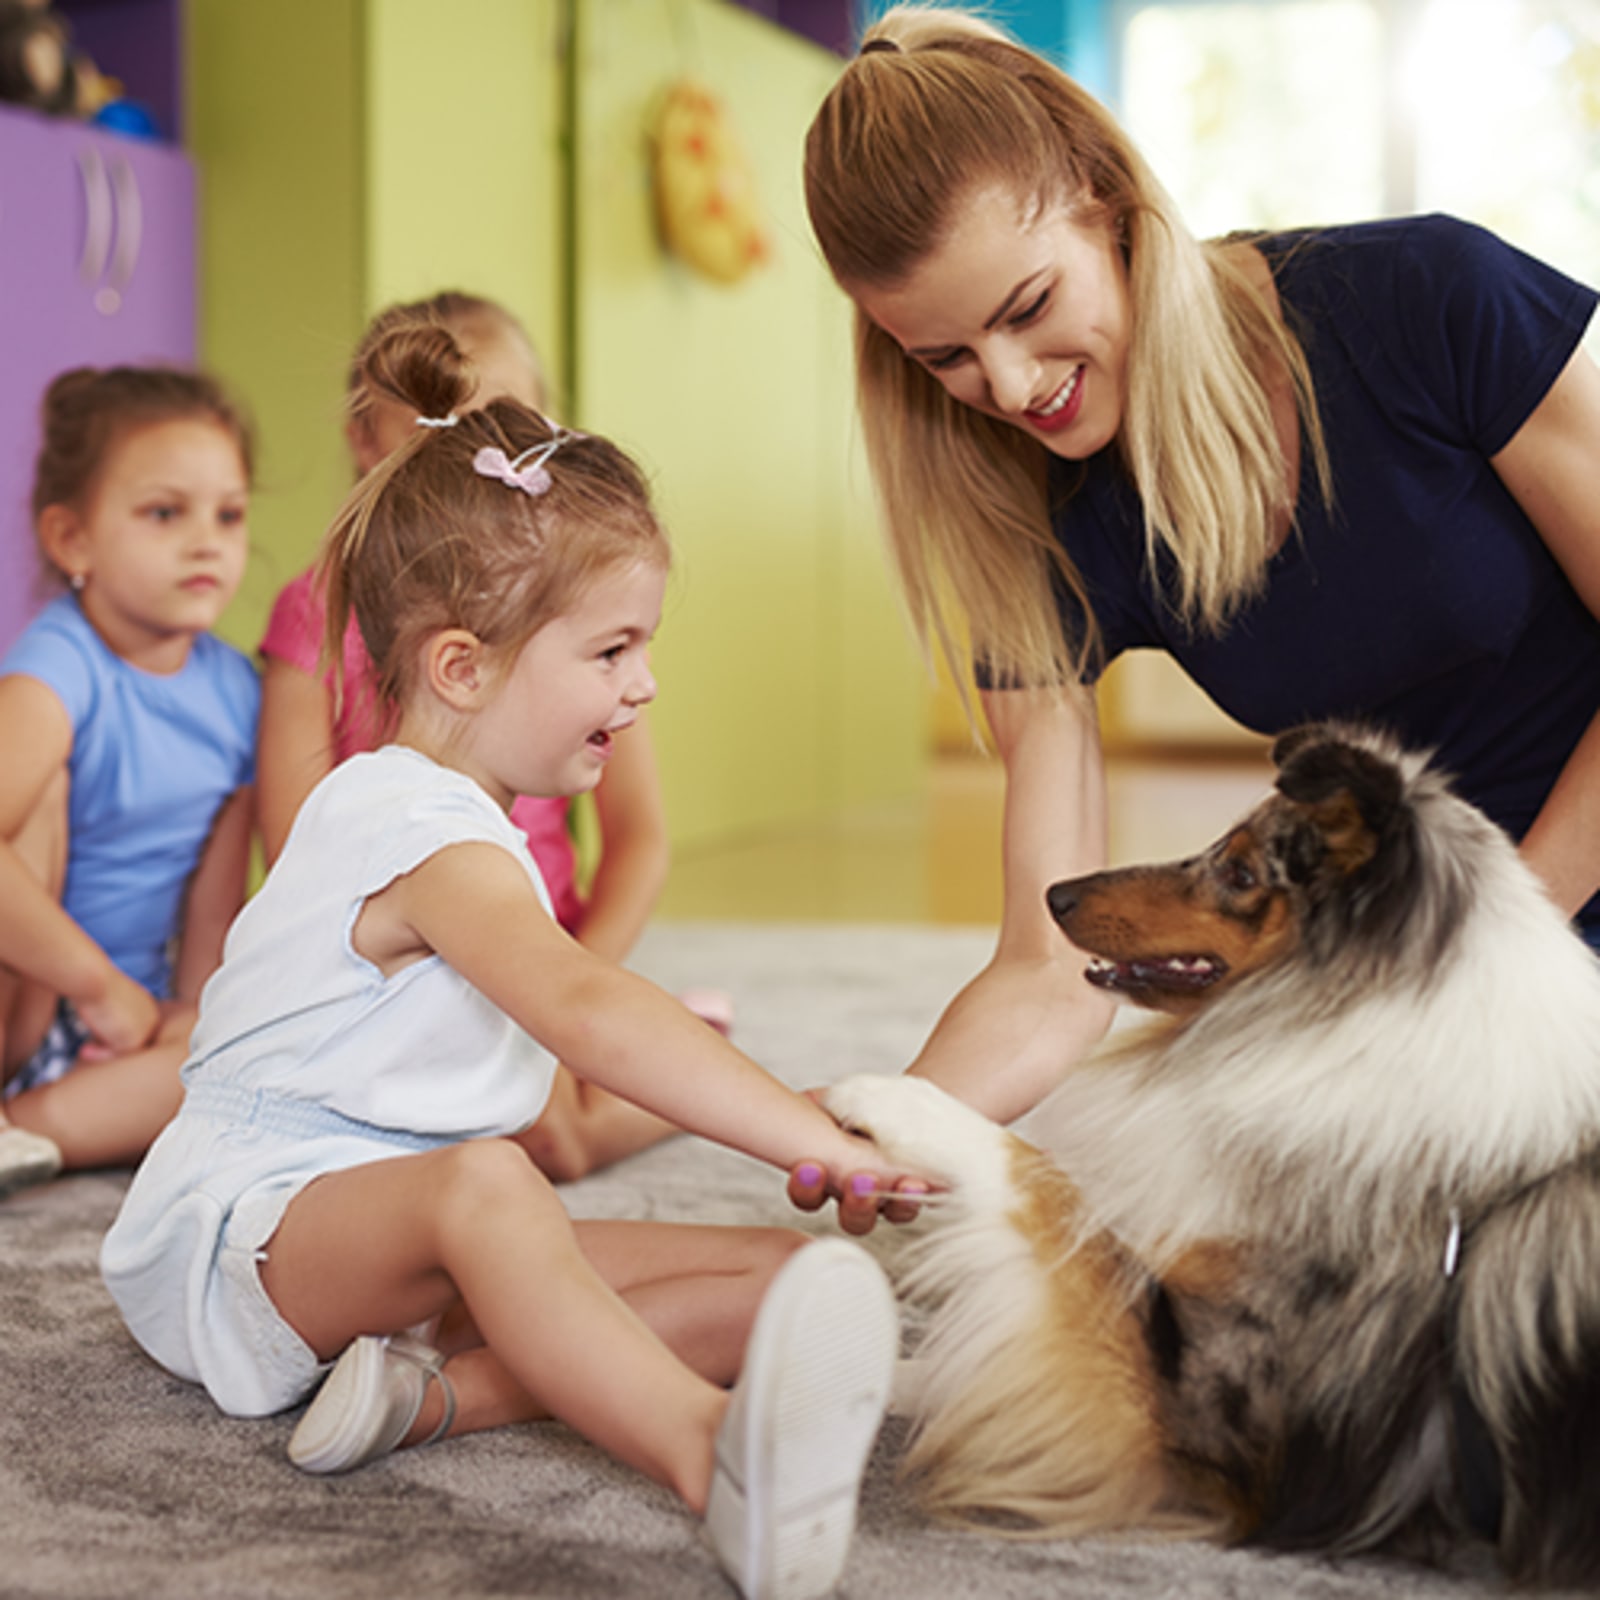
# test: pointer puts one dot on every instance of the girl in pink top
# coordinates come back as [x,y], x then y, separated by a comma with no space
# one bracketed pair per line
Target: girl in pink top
[306,730]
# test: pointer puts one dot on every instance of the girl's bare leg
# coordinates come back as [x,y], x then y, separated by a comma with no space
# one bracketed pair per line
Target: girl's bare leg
[697,1288]
[26,1010]
[106,1112]
[386,1246]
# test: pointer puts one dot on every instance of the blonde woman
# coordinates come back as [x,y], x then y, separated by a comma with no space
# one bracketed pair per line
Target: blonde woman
[1344,471]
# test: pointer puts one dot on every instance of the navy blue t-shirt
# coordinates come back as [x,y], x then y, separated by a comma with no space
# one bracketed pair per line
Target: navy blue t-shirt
[1425,601]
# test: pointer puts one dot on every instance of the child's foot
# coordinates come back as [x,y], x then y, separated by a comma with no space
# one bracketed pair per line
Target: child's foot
[25,1158]
[368,1403]
[801,1423]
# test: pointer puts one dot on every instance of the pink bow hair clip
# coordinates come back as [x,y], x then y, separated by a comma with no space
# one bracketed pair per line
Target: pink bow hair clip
[527,472]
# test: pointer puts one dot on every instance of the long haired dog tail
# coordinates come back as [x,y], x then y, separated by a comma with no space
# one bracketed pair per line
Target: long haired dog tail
[1036,1410]
[1527,1359]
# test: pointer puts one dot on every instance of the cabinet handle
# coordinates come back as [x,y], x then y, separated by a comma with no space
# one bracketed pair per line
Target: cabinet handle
[130,236]
[96,215]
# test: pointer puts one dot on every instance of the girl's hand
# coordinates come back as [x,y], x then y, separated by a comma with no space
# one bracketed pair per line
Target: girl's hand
[122,1018]
[862,1200]
[860,1182]
[865,1186]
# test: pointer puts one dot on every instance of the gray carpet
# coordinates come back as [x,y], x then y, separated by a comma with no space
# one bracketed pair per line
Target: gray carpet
[117,1481]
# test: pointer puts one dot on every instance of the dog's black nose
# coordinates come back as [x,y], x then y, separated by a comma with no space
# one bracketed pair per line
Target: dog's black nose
[1062,898]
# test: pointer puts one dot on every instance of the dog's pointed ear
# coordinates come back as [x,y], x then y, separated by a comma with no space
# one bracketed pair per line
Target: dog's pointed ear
[1351,793]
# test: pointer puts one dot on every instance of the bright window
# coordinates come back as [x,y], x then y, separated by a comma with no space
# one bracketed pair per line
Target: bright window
[1285,112]
[1264,115]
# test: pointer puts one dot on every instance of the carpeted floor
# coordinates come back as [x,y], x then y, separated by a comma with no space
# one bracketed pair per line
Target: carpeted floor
[117,1481]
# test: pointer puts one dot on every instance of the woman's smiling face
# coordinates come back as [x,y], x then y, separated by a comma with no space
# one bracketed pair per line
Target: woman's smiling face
[1021,312]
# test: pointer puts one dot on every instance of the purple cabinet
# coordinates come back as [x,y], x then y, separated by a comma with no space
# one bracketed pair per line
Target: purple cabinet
[96,267]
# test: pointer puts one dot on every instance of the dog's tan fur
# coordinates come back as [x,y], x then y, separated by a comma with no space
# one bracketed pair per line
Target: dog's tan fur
[1326,1269]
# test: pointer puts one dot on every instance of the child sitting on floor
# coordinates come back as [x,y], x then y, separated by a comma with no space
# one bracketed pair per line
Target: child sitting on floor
[306,730]
[345,1170]
[127,739]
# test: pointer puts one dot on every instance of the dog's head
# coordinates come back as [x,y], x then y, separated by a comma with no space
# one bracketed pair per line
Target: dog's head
[1328,866]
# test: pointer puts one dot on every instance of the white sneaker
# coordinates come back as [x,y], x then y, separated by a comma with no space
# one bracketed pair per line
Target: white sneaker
[368,1403]
[801,1423]
[26,1158]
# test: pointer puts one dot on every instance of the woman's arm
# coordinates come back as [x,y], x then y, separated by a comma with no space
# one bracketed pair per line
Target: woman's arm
[632,868]
[474,906]
[38,939]
[294,748]
[1011,1035]
[1552,467]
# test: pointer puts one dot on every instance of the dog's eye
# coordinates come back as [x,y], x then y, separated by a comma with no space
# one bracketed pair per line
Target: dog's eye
[1238,875]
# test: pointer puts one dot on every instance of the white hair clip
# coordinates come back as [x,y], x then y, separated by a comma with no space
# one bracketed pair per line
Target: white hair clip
[527,472]
[438,422]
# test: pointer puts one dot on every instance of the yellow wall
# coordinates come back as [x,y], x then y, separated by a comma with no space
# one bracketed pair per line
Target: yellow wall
[357,151]
[463,138]
[274,119]
[789,686]
[352,154]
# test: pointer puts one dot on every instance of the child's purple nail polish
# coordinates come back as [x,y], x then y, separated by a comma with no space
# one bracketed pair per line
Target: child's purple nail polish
[808,1173]
[863,1184]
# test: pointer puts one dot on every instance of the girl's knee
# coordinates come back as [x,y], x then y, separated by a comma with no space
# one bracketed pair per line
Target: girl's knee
[493,1176]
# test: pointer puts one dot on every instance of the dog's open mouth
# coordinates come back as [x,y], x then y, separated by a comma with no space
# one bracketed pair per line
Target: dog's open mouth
[1168,974]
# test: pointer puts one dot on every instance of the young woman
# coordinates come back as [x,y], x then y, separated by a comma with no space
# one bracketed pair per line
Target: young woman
[1349,471]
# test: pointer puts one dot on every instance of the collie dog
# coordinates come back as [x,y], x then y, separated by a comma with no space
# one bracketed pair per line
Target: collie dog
[1312,1260]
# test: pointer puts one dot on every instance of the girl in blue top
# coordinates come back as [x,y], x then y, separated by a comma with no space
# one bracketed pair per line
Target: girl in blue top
[126,750]
[350,1178]
[1352,471]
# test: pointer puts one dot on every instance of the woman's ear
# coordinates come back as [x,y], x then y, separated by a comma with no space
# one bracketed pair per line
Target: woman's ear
[61,538]
[455,667]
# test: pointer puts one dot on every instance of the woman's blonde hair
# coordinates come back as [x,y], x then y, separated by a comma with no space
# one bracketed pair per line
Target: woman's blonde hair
[425,542]
[938,108]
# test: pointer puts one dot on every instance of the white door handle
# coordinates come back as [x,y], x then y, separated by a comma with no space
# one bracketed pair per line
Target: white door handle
[96,215]
[130,236]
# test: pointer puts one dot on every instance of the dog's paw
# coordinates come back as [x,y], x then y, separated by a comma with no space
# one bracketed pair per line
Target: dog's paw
[920,1127]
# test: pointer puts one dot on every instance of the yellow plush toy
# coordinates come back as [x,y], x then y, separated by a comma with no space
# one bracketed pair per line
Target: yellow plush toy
[705,188]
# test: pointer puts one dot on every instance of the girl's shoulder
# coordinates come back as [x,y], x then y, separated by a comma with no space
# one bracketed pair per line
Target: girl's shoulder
[384,812]
[295,625]
[403,792]
[61,650]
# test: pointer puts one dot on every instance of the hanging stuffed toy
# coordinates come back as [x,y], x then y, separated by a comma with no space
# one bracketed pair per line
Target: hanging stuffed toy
[705,188]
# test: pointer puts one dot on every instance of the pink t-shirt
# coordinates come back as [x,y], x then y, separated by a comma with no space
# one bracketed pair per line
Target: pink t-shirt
[294,636]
